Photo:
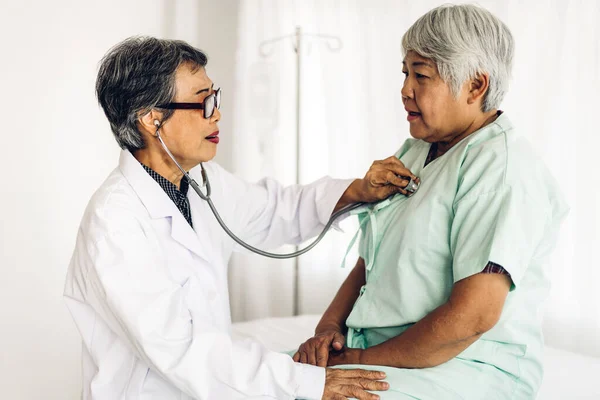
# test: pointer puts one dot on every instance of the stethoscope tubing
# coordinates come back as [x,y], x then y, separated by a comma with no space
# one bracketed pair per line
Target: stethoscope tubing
[207,198]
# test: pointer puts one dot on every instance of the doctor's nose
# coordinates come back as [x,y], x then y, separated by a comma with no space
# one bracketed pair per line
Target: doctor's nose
[216,117]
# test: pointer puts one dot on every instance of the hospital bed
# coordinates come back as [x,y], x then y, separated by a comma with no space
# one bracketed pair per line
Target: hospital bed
[568,376]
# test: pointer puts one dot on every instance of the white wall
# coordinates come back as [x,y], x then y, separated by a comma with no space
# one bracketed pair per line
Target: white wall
[57,148]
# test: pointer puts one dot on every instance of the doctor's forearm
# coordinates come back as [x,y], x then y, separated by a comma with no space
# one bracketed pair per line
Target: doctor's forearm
[437,338]
[336,314]
[350,196]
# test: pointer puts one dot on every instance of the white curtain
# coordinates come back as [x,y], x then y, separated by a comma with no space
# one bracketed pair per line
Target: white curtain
[352,114]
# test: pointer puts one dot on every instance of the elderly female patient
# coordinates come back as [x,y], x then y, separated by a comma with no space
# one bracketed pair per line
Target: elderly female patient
[450,282]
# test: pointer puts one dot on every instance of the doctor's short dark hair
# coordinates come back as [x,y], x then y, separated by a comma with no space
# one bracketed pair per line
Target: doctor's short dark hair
[135,76]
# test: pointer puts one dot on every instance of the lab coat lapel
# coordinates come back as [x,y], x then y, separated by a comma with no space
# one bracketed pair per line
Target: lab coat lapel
[183,233]
[200,211]
[158,203]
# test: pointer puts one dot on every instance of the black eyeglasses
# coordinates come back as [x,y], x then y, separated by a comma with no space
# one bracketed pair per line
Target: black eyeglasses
[209,104]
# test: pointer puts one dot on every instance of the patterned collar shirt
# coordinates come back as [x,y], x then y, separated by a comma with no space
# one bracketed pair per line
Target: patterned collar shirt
[179,196]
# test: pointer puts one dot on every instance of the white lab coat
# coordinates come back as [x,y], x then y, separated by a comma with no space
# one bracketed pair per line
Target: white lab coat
[149,294]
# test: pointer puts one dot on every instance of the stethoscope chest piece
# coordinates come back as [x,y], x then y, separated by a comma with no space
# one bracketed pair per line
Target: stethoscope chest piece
[412,188]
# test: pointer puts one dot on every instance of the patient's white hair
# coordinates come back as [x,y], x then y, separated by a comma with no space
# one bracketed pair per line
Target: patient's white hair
[464,40]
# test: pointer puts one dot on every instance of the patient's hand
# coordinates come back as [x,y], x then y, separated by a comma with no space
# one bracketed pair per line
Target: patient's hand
[315,351]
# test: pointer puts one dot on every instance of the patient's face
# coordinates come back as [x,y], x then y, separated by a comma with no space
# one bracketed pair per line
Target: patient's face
[438,116]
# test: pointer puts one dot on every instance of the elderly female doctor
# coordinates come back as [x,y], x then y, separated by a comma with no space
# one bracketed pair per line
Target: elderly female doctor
[448,290]
[147,283]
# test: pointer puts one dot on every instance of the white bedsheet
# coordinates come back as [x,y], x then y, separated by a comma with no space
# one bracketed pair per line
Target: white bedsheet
[568,376]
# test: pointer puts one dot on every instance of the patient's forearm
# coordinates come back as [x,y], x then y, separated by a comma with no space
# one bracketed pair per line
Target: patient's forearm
[437,338]
[336,314]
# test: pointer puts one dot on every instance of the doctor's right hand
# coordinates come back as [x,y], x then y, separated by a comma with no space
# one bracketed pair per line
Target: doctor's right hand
[341,384]
[383,179]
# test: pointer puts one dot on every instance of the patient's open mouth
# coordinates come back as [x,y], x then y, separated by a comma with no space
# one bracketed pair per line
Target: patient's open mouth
[412,115]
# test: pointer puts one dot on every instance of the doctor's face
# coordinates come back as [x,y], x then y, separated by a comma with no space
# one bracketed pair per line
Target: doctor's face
[434,114]
[189,136]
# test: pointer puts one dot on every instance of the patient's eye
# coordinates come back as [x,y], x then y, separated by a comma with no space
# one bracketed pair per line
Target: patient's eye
[419,76]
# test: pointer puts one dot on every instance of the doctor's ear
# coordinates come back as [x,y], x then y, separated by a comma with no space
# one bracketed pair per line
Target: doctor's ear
[150,121]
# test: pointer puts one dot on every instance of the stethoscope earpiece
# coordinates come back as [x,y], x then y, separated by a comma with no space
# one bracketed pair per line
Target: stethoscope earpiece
[157,125]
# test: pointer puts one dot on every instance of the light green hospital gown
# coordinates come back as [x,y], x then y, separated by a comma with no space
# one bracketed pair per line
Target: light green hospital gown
[489,198]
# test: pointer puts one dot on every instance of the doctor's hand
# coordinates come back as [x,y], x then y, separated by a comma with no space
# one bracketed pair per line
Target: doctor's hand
[383,179]
[341,384]
[315,351]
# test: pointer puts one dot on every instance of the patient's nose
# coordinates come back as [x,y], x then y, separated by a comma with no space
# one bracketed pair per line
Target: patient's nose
[407,91]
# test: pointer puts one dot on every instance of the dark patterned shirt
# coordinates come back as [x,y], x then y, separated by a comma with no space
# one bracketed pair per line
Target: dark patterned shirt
[179,196]
[493,268]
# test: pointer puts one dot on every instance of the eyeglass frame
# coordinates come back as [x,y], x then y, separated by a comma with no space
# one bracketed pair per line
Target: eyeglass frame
[215,97]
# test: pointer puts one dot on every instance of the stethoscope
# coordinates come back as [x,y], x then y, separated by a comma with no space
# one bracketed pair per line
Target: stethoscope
[411,188]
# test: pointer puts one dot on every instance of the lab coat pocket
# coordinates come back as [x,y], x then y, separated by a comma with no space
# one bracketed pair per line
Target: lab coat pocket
[201,301]
[156,387]
[137,381]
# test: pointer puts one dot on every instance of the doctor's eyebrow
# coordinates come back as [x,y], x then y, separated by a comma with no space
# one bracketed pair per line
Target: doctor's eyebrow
[205,89]
[419,63]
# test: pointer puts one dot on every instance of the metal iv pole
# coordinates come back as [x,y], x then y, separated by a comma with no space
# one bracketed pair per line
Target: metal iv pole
[334,44]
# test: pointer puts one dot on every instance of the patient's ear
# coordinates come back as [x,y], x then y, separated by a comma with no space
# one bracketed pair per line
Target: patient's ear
[478,86]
